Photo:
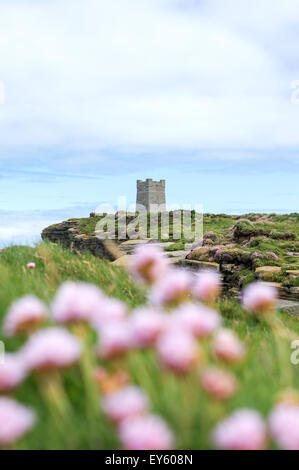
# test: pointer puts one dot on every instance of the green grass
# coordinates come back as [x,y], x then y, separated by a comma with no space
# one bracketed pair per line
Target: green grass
[179,400]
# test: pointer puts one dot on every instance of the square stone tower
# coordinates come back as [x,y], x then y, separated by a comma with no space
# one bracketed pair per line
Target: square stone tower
[151,195]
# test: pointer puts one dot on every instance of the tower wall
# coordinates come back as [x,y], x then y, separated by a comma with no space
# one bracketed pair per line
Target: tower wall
[150,194]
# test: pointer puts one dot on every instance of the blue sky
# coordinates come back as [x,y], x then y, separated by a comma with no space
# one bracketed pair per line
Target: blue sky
[99,94]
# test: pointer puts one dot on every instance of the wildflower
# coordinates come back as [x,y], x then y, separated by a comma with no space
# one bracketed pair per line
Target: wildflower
[124,403]
[227,347]
[147,432]
[284,426]
[146,326]
[76,302]
[31,265]
[24,316]
[115,340]
[12,373]
[207,286]
[110,310]
[243,430]
[51,349]
[259,297]
[199,320]
[15,421]
[218,384]
[172,289]
[177,351]
[149,263]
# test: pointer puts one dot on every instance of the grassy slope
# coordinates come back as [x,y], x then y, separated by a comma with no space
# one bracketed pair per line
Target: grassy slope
[180,401]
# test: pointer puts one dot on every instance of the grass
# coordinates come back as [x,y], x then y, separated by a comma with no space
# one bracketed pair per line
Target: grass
[179,400]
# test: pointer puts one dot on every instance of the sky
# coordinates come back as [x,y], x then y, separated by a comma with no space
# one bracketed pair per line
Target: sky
[98,94]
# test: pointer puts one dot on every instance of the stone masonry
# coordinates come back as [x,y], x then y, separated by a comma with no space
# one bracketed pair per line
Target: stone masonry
[151,195]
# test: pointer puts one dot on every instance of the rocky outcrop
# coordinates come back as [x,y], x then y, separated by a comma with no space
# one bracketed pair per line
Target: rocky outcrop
[246,230]
[68,235]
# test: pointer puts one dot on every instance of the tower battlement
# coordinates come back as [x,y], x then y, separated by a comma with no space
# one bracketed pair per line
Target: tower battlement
[151,195]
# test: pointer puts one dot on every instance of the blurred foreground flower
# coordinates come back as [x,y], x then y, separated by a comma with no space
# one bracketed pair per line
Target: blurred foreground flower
[178,351]
[218,383]
[110,310]
[15,421]
[227,346]
[199,320]
[259,297]
[115,340]
[76,302]
[243,430]
[149,263]
[207,286]
[24,316]
[284,426]
[124,403]
[146,325]
[12,372]
[173,289]
[51,349]
[147,432]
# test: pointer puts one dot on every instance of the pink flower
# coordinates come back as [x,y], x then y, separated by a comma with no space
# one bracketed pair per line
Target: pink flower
[177,350]
[259,297]
[12,372]
[146,326]
[243,430]
[124,403]
[15,421]
[227,347]
[76,302]
[110,310]
[115,340]
[51,349]
[218,384]
[284,426]
[172,289]
[24,315]
[31,265]
[207,286]
[199,320]
[147,432]
[149,263]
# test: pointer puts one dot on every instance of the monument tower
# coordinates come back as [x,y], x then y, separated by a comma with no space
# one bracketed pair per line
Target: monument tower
[151,195]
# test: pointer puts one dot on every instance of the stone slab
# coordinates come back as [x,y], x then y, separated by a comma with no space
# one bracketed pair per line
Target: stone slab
[289,306]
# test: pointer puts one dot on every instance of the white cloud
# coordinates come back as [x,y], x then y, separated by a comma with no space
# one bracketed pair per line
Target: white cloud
[146,75]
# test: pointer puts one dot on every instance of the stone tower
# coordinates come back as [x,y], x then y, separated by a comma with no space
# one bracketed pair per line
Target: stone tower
[151,195]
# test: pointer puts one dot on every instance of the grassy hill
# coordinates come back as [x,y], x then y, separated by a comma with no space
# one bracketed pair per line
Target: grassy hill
[181,402]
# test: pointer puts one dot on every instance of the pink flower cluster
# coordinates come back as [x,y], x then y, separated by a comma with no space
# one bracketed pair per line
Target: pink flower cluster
[181,327]
[243,430]
[128,409]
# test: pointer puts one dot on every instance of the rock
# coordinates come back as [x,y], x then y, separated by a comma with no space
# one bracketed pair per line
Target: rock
[292,274]
[68,235]
[288,306]
[266,272]
[123,261]
[294,291]
[244,230]
[197,265]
